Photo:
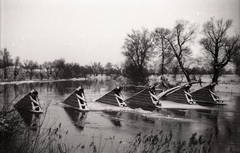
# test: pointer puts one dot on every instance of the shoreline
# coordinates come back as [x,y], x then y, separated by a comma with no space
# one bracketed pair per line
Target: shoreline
[223,86]
[42,81]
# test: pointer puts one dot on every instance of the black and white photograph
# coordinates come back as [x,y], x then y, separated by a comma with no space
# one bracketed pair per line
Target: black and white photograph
[119,76]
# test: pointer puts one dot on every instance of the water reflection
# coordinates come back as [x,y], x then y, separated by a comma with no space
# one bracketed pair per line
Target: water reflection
[31,120]
[78,118]
[114,117]
[140,118]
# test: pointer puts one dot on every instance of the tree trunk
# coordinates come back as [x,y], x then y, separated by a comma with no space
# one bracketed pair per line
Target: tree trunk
[140,73]
[184,71]
[5,73]
[162,61]
[186,75]
[215,76]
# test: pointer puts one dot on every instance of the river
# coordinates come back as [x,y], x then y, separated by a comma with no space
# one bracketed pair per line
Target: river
[123,124]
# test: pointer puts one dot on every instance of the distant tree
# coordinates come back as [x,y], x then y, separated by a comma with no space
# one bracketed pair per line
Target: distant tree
[88,69]
[84,71]
[58,68]
[6,62]
[109,69]
[97,68]
[17,67]
[130,71]
[162,46]
[218,44]
[30,66]
[41,73]
[180,40]
[76,69]
[47,68]
[67,71]
[138,48]
[117,69]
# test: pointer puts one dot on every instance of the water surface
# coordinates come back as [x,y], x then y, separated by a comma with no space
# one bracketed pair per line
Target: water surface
[124,123]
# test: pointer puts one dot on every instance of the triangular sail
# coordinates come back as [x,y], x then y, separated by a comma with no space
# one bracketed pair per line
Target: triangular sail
[30,102]
[77,100]
[179,94]
[206,95]
[113,97]
[144,99]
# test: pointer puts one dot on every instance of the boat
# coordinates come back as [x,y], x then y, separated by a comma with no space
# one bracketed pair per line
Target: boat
[76,100]
[207,95]
[113,97]
[179,94]
[30,102]
[145,99]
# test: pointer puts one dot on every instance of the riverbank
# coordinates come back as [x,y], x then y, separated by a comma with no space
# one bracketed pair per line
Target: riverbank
[227,83]
[39,81]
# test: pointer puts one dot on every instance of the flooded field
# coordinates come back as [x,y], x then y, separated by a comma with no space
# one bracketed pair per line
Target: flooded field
[123,124]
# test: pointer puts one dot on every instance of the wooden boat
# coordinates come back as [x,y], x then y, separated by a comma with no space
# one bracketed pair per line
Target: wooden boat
[145,99]
[30,102]
[207,95]
[180,94]
[76,100]
[113,97]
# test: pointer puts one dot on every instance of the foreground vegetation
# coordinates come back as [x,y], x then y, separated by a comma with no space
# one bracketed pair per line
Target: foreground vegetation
[52,140]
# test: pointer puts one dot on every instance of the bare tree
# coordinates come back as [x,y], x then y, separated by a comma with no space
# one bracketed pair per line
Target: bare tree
[17,67]
[162,45]
[58,68]
[109,69]
[97,68]
[180,40]
[218,44]
[47,67]
[138,48]
[6,61]
[30,66]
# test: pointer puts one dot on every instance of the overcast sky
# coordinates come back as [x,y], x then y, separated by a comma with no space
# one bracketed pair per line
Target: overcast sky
[86,31]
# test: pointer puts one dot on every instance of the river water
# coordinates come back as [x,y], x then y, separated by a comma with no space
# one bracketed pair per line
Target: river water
[123,124]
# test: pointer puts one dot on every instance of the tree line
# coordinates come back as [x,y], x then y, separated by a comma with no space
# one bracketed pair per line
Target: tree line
[161,51]
[15,69]
[169,50]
